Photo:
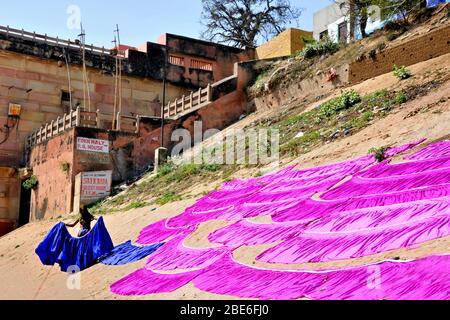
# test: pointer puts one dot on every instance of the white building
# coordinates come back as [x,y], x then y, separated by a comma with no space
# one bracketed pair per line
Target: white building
[334,21]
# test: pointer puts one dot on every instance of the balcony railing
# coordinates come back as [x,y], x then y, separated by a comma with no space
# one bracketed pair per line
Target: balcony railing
[79,118]
[189,103]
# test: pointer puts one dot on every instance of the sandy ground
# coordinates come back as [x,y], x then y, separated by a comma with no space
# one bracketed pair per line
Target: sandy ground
[23,277]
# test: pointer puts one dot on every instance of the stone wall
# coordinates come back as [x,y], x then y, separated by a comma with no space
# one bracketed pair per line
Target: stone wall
[190,52]
[285,44]
[9,199]
[431,45]
[37,85]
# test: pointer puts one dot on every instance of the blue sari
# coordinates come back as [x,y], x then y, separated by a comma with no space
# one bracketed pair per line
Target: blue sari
[60,247]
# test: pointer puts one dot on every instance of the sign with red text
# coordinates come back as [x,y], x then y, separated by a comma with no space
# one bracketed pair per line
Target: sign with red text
[95,185]
[92,145]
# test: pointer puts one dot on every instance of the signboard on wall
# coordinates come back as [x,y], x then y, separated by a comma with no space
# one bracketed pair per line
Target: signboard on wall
[92,145]
[95,185]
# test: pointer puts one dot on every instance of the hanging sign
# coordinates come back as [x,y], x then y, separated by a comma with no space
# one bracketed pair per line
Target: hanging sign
[95,185]
[92,145]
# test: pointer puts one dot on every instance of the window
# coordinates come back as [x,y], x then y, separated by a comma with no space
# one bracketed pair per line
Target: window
[65,101]
[65,96]
[176,60]
[323,34]
[343,32]
[201,65]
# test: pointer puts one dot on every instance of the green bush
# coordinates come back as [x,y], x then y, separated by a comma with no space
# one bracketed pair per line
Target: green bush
[323,47]
[31,183]
[401,97]
[165,170]
[401,72]
[211,167]
[167,198]
[136,205]
[379,153]
[293,146]
[362,121]
[65,166]
[346,100]
[258,174]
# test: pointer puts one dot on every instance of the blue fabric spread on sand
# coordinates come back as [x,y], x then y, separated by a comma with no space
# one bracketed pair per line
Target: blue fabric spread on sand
[60,247]
[127,253]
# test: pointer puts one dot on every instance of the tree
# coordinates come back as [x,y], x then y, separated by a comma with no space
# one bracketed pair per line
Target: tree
[403,9]
[358,11]
[242,22]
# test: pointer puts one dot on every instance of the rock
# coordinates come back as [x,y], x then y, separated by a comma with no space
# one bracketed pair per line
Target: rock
[334,135]
[300,135]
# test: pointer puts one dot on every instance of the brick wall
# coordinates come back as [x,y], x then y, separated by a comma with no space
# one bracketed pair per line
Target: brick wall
[425,47]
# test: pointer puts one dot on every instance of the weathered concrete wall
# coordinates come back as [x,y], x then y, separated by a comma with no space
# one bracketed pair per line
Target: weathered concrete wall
[9,199]
[222,58]
[53,195]
[285,44]
[431,45]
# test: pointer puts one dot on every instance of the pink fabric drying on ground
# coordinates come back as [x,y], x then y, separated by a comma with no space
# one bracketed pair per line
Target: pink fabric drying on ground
[362,187]
[251,234]
[234,201]
[159,232]
[174,255]
[391,152]
[389,207]
[422,279]
[385,169]
[435,150]
[323,247]
[415,280]
[188,218]
[312,209]
[380,216]
[143,282]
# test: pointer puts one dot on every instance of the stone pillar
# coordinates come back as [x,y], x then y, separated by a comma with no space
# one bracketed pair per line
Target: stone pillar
[77,194]
[160,157]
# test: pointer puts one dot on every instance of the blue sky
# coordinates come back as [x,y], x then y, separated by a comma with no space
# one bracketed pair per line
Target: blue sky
[139,20]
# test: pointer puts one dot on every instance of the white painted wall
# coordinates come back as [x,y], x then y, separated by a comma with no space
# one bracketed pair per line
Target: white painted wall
[333,29]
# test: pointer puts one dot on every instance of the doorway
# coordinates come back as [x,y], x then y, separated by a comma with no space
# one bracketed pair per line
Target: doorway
[25,206]
[343,32]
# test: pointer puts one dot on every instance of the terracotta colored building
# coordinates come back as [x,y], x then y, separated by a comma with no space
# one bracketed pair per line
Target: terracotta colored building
[46,99]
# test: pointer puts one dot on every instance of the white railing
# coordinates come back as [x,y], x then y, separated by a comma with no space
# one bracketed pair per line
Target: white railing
[79,118]
[52,41]
[188,103]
